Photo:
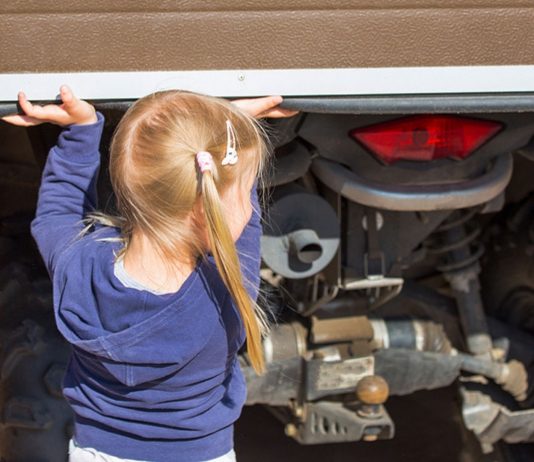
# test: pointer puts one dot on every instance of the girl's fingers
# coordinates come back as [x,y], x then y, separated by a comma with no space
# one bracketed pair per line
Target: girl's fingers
[71,111]
[42,113]
[277,113]
[77,110]
[68,98]
[26,106]
[22,120]
[257,106]
[264,107]
[264,104]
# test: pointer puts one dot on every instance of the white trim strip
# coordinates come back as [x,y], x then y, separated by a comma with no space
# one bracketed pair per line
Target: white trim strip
[287,82]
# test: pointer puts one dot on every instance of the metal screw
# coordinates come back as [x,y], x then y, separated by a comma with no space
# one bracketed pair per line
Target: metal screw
[370,438]
[241,77]
[290,429]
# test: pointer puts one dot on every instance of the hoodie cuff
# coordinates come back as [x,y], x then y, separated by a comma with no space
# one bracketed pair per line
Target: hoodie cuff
[81,143]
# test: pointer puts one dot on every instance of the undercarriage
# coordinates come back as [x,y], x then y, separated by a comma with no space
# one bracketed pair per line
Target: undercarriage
[381,278]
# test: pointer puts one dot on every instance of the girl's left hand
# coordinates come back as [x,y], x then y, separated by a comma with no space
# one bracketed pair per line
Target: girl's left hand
[267,106]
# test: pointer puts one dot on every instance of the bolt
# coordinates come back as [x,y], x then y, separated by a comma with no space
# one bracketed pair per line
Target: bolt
[379,221]
[498,354]
[370,438]
[241,77]
[290,429]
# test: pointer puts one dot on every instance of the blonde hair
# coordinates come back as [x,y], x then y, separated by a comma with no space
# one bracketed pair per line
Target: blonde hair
[157,183]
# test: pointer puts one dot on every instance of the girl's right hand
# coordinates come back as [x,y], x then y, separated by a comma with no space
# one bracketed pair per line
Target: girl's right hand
[71,111]
[268,106]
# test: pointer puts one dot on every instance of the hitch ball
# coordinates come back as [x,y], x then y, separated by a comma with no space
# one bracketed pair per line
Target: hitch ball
[372,391]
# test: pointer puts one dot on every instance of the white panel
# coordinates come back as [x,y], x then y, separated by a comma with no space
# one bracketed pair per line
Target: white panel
[293,82]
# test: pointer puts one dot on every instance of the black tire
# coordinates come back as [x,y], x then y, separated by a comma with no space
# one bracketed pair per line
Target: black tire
[35,420]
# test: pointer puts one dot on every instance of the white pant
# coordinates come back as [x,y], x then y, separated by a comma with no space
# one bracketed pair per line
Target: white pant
[78,454]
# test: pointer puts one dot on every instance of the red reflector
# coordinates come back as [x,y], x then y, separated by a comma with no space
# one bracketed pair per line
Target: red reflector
[426,137]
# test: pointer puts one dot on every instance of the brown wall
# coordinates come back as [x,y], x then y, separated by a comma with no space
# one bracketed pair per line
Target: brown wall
[129,35]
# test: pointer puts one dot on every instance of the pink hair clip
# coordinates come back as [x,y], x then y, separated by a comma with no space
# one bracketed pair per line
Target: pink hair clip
[204,160]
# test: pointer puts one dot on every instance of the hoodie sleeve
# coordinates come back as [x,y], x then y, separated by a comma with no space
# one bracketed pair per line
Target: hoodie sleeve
[248,247]
[68,189]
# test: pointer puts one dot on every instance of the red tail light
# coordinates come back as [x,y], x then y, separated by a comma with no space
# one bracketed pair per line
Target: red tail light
[426,137]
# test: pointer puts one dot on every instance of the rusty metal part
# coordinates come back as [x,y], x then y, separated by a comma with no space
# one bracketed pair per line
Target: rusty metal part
[410,354]
[514,379]
[329,422]
[341,329]
[281,383]
[492,422]
[456,241]
[414,334]
[466,290]
[511,376]
[324,378]
[419,335]
[285,341]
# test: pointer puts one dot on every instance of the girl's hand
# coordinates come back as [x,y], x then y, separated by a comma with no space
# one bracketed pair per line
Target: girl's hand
[264,107]
[71,111]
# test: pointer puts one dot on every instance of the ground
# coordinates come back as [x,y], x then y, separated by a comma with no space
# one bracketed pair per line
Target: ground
[427,430]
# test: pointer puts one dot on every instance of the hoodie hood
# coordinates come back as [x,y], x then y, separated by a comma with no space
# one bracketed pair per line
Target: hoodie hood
[122,325]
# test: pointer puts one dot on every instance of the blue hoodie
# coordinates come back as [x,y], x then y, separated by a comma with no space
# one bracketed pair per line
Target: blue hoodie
[151,377]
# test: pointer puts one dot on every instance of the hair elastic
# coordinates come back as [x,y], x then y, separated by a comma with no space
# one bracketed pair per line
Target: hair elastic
[205,161]
[231,153]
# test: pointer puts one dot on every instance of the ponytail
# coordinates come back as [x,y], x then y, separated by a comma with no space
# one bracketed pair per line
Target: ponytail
[226,259]
[157,185]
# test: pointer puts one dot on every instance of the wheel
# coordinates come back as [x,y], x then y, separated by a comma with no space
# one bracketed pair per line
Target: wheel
[35,420]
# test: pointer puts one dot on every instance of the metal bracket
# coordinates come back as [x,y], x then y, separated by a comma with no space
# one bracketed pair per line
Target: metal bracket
[384,288]
[492,422]
[325,378]
[330,422]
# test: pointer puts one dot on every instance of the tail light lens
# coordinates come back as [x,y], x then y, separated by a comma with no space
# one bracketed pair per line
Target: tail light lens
[426,137]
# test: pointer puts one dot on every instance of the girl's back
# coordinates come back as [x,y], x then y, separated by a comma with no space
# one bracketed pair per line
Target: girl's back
[157,367]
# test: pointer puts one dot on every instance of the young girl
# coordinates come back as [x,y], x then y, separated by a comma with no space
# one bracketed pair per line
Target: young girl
[156,301]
